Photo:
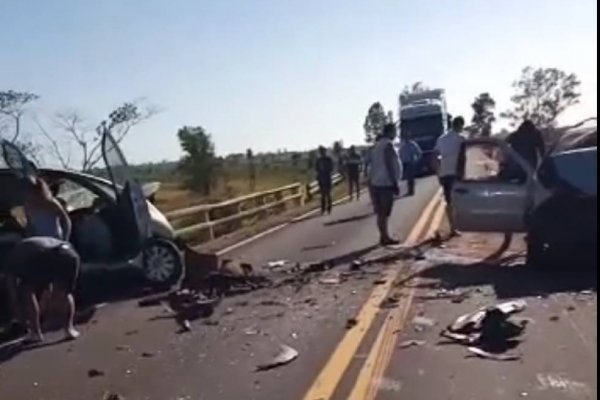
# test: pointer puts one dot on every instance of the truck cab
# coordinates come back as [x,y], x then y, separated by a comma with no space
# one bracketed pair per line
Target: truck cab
[424,118]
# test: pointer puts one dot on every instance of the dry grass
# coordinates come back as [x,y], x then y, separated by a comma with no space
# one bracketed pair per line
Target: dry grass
[234,182]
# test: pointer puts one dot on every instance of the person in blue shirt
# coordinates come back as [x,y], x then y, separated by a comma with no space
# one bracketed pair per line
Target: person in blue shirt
[410,156]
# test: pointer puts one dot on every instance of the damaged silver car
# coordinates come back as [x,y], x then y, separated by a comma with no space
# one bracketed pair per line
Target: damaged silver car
[555,204]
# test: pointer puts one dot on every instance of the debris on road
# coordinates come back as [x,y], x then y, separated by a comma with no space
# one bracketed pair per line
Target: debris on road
[488,331]
[555,318]
[95,373]
[410,343]
[252,331]
[285,356]
[272,303]
[277,264]
[476,351]
[351,323]
[420,323]
[112,396]
[390,302]
[380,282]
[330,280]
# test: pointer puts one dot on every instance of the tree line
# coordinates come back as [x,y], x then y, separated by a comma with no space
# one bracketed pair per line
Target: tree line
[540,95]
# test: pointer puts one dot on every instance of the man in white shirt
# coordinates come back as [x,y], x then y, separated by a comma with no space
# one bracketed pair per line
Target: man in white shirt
[385,173]
[450,158]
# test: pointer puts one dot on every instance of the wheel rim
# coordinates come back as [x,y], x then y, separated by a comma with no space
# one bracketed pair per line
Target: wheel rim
[161,264]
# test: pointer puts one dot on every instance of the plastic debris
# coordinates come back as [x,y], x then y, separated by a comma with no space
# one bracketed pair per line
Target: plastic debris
[411,343]
[421,322]
[330,280]
[489,332]
[476,351]
[285,356]
[277,264]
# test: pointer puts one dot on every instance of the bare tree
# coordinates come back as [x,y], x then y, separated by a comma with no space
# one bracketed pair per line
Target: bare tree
[75,131]
[13,106]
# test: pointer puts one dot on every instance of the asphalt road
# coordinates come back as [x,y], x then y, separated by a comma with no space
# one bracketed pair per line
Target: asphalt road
[137,352]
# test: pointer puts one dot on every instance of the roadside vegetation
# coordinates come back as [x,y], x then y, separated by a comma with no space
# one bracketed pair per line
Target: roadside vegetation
[201,176]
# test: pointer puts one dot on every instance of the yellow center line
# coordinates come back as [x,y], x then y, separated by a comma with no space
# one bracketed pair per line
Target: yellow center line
[367,383]
[333,371]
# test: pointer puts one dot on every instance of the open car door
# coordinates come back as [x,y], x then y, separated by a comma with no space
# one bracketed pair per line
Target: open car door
[14,159]
[495,190]
[133,216]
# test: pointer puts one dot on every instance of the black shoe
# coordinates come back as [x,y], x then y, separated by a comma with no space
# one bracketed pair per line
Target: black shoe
[389,242]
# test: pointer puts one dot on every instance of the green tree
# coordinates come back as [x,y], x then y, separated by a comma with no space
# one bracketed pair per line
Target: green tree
[483,115]
[199,162]
[542,95]
[417,87]
[374,122]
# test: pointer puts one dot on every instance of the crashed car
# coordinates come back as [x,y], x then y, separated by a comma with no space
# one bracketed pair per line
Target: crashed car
[555,205]
[114,225]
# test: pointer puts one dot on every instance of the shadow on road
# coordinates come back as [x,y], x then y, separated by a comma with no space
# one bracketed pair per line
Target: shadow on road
[511,281]
[348,220]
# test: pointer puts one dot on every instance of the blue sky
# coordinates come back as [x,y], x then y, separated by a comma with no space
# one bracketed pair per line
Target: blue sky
[281,74]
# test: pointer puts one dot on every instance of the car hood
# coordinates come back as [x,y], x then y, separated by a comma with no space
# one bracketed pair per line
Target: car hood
[575,170]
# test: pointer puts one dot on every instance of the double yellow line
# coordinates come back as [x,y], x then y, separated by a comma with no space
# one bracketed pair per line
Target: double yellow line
[366,384]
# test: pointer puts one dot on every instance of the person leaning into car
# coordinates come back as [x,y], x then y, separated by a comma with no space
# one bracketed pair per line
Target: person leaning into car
[44,261]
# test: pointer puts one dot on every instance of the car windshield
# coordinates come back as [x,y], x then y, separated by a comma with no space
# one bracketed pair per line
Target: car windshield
[432,125]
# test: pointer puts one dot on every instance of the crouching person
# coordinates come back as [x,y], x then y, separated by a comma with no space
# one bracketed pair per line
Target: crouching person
[38,266]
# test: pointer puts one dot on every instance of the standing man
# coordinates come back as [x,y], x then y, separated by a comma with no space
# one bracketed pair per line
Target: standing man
[450,162]
[324,168]
[528,142]
[385,173]
[353,167]
[410,156]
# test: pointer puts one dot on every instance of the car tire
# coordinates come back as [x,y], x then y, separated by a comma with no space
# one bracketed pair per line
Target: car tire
[162,263]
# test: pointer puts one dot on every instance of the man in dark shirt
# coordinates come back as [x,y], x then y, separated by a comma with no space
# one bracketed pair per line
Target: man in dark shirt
[324,169]
[353,167]
[528,142]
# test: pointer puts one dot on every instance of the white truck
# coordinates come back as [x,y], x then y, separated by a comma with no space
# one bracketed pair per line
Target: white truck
[424,118]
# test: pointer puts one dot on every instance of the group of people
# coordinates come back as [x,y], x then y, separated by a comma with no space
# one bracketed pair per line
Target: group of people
[42,264]
[386,167]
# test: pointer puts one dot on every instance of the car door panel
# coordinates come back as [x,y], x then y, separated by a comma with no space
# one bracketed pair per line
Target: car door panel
[489,206]
[485,199]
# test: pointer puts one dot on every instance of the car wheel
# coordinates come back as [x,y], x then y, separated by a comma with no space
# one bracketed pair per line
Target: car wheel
[162,263]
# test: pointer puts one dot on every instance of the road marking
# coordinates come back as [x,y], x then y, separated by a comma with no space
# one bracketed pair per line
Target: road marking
[366,386]
[333,371]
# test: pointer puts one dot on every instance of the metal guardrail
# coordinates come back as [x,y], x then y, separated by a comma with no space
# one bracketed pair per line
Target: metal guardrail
[245,206]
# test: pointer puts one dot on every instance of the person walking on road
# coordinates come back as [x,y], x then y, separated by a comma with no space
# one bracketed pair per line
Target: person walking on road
[450,161]
[353,168]
[385,173]
[324,168]
[410,156]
